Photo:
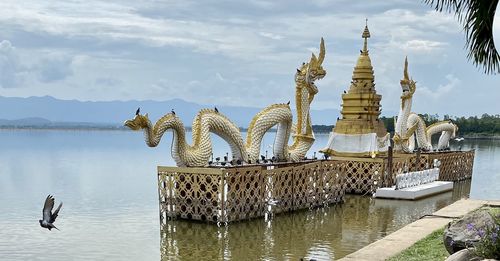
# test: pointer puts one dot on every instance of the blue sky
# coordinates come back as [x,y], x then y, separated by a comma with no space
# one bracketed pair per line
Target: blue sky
[235,52]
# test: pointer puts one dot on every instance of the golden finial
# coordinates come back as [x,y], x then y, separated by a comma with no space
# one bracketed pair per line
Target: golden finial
[366,35]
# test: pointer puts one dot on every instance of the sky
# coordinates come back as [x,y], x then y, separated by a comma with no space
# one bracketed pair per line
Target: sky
[241,53]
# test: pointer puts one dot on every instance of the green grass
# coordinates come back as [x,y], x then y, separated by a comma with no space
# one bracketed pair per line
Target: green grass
[495,211]
[430,248]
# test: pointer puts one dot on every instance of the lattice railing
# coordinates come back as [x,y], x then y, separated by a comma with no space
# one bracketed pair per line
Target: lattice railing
[238,193]
[455,165]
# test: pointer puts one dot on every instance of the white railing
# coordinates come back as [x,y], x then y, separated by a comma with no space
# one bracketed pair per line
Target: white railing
[416,178]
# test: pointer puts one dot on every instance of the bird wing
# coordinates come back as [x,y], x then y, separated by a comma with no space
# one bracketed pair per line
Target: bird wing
[47,208]
[56,212]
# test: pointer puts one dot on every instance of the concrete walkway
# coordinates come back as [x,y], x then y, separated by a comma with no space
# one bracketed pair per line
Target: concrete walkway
[405,237]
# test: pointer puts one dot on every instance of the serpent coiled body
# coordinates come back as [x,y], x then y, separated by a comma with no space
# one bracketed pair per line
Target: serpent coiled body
[211,121]
[409,125]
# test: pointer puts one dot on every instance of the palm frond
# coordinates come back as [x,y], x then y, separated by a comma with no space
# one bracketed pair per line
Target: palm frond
[476,17]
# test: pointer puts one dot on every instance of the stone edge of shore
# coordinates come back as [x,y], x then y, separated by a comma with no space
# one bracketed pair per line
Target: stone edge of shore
[408,235]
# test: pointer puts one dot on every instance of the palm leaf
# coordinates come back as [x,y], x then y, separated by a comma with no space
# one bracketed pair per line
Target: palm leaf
[476,17]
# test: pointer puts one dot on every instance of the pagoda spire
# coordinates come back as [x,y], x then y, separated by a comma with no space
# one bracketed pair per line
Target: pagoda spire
[362,76]
[366,35]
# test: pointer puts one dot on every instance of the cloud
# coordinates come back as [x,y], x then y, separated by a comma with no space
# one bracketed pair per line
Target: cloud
[271,35]
[108,81]
[423,45]
[231,52]
[54,67]
[18,70]
[441,90]
[11,71]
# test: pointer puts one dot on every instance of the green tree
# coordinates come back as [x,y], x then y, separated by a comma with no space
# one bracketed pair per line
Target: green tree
[476,17]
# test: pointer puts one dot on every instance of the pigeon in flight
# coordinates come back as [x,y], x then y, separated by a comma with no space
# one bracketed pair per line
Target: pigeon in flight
[48,217]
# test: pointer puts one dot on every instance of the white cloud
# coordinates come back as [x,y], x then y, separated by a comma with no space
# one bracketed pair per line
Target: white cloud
[442,90]
[232,52]
[11,71]
[423,45]
[271,35]
[54,67]
[20,71]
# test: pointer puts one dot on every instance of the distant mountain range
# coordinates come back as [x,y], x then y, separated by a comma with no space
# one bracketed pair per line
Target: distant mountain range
[49,111]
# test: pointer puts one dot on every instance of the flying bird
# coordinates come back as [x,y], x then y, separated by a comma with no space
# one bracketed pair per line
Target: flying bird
[137,111]
[49,217]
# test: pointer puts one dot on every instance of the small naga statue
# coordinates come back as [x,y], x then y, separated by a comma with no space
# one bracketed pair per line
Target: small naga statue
[409,125]
[212,121]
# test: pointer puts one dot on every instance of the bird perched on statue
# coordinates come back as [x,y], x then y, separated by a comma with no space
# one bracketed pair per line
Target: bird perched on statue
[173,112]
[138,111]
[49,217]
[215,109]
[288,103]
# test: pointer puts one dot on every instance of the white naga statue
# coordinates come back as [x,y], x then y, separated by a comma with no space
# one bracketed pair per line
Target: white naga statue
[212,121]
[409,125]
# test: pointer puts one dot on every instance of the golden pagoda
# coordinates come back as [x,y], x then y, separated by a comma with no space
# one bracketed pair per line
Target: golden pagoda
[359,132]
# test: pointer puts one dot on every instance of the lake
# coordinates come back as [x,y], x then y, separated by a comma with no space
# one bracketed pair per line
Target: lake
[107,181]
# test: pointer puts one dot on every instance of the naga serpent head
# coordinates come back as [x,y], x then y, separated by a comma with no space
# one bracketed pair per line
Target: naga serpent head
[408,85]
[138,122]
[313,70]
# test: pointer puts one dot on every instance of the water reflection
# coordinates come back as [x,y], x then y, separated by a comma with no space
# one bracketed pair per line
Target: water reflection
[323,234]
[107,182]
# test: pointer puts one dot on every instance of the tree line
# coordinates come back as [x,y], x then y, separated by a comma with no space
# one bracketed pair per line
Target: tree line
[486,124]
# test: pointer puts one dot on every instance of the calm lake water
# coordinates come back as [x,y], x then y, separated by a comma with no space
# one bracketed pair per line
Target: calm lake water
[107,181]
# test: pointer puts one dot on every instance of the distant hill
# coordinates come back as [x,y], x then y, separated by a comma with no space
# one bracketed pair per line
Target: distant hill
[48,110]
[25,121]
[41,123]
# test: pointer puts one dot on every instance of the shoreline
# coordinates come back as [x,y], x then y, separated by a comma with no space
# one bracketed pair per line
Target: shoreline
[188,129]
[482,137]
[401,239]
